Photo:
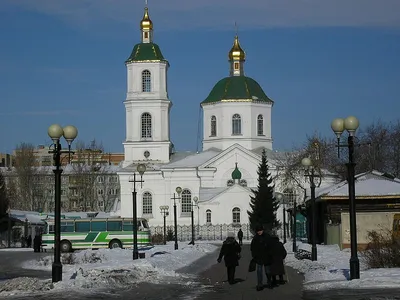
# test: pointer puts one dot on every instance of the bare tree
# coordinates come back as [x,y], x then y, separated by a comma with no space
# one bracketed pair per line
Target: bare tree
[87,166]
[393,152]
[25,172]
[107,187]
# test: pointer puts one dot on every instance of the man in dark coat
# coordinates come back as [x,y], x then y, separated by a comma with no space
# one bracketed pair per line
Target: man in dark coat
[260,251]
[230,251]
[278,253]
[240,237]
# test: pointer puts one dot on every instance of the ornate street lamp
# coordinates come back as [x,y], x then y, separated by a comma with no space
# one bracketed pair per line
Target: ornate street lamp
[141,168]
[338,126]
[310,173]
[55,132]
[165,213]
[178,190]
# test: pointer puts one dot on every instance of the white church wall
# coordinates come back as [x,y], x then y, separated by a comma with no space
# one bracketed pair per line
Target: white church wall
[158,72]
[248,138]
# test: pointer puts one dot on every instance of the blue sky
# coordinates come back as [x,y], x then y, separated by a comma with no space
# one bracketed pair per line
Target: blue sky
[62,61]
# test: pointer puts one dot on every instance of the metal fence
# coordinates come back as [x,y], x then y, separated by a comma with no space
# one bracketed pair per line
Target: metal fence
[205,232]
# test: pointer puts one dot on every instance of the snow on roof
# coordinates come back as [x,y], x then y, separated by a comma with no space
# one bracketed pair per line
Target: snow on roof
[192,160]
[372,183]
[31,216]
[206,194]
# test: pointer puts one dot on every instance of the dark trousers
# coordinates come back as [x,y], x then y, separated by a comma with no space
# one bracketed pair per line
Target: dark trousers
[231,274]
[241,241]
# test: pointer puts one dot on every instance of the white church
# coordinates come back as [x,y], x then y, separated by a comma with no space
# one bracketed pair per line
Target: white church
[215,182]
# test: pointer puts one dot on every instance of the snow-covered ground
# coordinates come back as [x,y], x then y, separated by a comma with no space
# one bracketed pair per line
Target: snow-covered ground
[110,268]
[331,270]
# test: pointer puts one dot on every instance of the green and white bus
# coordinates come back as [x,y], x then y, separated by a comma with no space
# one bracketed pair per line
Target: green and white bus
[94,233]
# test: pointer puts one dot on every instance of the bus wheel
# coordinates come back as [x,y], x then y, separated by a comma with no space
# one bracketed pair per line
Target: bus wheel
[65,246]
[115,244]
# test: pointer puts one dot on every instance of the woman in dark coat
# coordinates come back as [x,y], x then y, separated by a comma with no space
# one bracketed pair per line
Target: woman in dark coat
[278,254]
[230,251]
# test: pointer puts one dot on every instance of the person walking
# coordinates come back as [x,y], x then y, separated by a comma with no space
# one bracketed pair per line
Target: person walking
[278,254]
[240,236]
[230,251]
[260,252]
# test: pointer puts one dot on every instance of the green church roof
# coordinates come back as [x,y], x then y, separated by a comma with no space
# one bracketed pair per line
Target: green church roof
[237,88]
[236,174]
[145,52]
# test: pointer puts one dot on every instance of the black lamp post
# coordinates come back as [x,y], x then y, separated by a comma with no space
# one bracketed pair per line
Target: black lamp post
[294,227]
[165,213]
[178,190]
[351,125]
[55,132]
[141,168]
[195,200]
[310,173]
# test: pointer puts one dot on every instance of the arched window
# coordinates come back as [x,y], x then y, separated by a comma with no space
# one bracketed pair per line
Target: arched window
[213,126]
[289,196]
[186,201]
[236,215]
[146,81]
[146,125]
[147,200]
[208,216]
[260,125]
[236,124]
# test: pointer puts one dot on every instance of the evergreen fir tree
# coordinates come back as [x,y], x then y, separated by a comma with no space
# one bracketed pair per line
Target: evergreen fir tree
[4,201]
[263,204]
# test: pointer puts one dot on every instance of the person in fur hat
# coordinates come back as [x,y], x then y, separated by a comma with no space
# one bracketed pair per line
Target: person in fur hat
[230,251]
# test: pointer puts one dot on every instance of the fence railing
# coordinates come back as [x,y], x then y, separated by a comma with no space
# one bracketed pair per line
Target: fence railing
[205,232]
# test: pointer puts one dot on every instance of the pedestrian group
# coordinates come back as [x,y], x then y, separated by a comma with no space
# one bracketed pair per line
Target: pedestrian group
[267,252]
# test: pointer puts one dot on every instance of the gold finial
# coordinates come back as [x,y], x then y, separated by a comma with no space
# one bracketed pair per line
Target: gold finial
[237,52]
[146,23]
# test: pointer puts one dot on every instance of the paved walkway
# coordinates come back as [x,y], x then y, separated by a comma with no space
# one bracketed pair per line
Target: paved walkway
[245,288]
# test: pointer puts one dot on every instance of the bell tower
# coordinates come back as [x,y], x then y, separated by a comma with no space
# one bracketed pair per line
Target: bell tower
[147,104]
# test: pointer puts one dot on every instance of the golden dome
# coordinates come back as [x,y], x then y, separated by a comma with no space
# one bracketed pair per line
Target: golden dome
[146,23]
[237,52]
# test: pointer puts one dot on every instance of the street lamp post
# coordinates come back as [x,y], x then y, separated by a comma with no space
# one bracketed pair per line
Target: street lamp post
[178,190]
[195,200]
[310,173]
[351,125]
[165,213]
[281,198]
[294,227]
[55,132]
[141,168]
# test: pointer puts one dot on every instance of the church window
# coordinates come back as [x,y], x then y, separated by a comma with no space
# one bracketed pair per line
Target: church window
[289,196]
[213,126]
[146,35]
[236,215]
[260,125]
[147,203]
[186,201]
[230,182]
[236,124]
[146,125]
[208,216]
[146,81]
[243,182]
[236,66]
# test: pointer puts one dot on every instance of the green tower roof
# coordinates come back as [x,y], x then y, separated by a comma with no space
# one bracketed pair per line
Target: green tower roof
[237,88]
[145,52]
[236,174]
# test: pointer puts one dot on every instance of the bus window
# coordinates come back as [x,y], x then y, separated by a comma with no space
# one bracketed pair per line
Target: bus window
[99,226]
[67,226]
[114,225]
[127,226]
[82,226]
[51,228]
